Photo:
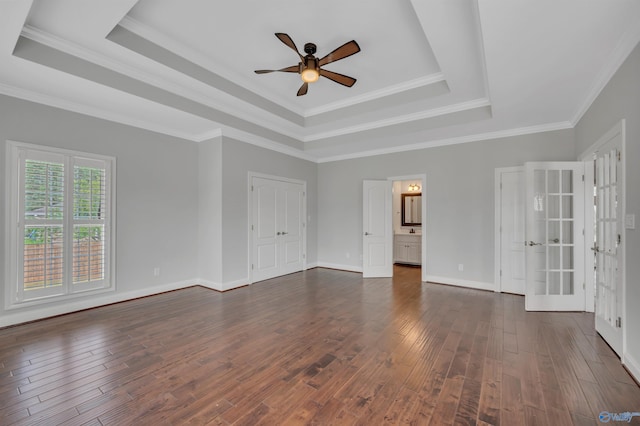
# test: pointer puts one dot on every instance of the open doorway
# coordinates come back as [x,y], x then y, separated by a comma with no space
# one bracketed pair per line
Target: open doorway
[408,220]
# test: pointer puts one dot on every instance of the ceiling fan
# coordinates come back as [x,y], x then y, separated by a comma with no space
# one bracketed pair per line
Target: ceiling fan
[309,66]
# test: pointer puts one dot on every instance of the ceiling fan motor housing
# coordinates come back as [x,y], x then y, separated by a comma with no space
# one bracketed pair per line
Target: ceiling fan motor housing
[310,48]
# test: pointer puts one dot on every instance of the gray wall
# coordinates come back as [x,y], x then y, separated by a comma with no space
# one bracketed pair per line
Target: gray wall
[210,212]
[156,194]
[238,159]
[459,194]
[621,99]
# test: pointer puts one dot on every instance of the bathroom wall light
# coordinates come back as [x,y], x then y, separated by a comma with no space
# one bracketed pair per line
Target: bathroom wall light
[414,187]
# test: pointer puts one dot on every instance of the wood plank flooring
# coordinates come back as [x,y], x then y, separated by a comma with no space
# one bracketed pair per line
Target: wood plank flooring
[320,347]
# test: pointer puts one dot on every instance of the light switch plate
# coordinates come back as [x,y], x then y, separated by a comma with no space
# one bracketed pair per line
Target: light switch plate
[630,221]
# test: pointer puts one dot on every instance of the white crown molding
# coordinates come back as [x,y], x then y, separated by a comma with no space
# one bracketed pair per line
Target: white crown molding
[377,94]
[252,139]
[480,46]
[616,58]
[431,113]
[453,141]
[215,133]
[86,54]
[56,102]
[198,58]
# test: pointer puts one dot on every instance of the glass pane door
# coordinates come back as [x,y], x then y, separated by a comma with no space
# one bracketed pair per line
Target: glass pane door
[554,243]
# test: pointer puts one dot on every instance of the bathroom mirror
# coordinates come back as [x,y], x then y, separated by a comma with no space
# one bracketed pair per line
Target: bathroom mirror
[411,209]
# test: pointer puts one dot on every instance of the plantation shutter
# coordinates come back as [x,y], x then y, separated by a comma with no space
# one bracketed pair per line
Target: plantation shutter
[64,223]
[43,224]
[89,222]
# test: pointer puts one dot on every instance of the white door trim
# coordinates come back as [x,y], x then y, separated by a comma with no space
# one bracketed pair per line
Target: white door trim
[497,210]
[250,176]
[423,240]
[587,157]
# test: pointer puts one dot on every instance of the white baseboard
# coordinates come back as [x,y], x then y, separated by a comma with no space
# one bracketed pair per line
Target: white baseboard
[461,283]
[632,365]
[61,308]
[311,265]
[230,285]
[349,268]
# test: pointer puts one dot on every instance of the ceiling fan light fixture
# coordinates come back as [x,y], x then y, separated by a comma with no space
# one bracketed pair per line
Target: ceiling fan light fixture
[310,75]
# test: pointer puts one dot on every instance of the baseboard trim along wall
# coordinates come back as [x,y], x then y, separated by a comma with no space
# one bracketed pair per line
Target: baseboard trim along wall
[17,317]
[349,268]
[632,366]
[479,285]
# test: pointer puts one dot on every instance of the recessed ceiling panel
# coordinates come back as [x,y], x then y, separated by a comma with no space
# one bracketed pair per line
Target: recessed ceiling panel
[235,38]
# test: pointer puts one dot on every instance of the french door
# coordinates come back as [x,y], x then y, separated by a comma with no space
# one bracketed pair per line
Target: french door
[606,246]
[554,245]
[377,233]
[277,228]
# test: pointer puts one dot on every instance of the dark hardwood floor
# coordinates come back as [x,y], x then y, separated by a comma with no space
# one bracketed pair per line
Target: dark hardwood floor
[319,347]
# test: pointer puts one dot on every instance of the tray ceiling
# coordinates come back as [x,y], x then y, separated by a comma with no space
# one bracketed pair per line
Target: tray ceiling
[429,73]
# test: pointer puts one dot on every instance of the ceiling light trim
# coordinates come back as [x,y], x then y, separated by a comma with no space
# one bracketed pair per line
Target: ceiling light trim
[563,125]
[401,119]
[377,94]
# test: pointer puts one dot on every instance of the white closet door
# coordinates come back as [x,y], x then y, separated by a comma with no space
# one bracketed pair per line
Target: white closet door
[277,228]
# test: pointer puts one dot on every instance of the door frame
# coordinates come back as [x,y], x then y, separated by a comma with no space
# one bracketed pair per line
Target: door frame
[497,238]
[250,206]
[422,177]
[587,157]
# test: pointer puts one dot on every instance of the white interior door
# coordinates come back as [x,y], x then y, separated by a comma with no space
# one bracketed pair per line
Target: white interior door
[290,219]
[277,228]
[512,230]
[608,256]
[377,236]
[554,231]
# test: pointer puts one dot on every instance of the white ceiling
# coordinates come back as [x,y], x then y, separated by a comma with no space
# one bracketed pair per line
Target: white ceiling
[430,72]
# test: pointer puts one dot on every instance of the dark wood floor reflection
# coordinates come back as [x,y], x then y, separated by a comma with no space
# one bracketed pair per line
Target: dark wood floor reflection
[319,347]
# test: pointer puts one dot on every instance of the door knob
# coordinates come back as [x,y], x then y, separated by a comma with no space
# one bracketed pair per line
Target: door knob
[531,243]
[366,233]
[284,233]
[278,233]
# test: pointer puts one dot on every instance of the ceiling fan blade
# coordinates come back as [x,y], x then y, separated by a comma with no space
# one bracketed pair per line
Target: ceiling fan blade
[345,80]
[287,40]
[303,89]
[292,68]
[347,49]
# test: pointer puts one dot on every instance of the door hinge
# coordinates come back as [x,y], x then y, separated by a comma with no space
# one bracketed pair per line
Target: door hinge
[251,188]
[619,156]
[583,178]
[619,239]
[584,286]
[252,227]
[500,272]
[252,266]
[619,322]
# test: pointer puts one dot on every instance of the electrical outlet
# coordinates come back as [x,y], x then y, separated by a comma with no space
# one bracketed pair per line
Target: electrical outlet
[156,272]
[460,267]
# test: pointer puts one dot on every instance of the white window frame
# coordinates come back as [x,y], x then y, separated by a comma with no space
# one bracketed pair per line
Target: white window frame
[15,222]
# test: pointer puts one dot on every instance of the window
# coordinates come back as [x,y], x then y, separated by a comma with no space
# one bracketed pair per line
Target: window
[60,224]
